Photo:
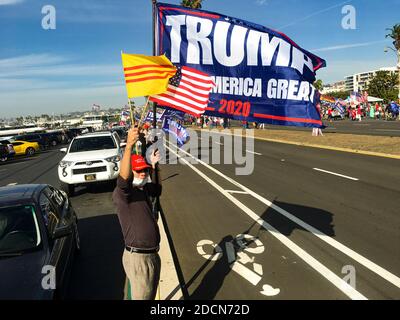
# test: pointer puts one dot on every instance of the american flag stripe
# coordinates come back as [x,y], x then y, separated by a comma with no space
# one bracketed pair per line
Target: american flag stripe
[187,91]
[196,91]
[188,95]
[181,98]
[190,91]
[178,105]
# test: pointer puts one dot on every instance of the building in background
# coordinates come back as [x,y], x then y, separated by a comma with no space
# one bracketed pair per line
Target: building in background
[360,81]
[337,86]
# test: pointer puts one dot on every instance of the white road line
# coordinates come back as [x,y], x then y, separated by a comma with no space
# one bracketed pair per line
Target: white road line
[310,260]
[336,174]
[219,143]
[236,191]
[259,154]
[12,184]
[388,276]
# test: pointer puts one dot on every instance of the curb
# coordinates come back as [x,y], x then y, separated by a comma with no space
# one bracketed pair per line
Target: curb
[169,287]
[363,152]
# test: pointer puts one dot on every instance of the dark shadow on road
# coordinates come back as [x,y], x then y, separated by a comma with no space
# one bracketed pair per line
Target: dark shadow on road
[212,281]
[95,188]
[320,219]
[170,176]
[97,271]
[214,278]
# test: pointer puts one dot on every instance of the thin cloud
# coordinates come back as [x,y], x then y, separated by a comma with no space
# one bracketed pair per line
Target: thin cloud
[314,14]
[348,46]
[9,2]
[261,2]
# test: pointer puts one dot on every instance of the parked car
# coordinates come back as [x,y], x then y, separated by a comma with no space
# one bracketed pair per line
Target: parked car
[25,148]
[53,138]
[38,238]
[11,151]
[122,133]
[3,153]
[41,139]
[90,158]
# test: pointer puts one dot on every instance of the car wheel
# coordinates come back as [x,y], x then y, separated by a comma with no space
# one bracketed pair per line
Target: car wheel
[54,143]
[30,151]
[69,189]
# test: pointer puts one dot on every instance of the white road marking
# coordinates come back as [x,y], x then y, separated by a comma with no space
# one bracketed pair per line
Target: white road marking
[236,191]
[259,154]
[385,274]
[12,184]
[219,143]
[310,260]
[336,174]
[269,291]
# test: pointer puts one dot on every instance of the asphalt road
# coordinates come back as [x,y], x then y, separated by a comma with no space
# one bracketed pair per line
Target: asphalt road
[365,127]
[338,226]
[312,229]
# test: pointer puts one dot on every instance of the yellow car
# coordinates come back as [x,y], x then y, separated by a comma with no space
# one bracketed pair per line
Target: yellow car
[25,147]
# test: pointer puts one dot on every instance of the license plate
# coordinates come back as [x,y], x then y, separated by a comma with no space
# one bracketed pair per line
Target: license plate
[90,177]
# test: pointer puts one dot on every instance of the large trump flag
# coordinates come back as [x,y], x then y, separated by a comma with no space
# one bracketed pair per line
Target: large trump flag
[259,74]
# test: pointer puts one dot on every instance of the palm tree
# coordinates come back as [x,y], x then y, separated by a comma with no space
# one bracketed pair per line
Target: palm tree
[194,4]
[395,35]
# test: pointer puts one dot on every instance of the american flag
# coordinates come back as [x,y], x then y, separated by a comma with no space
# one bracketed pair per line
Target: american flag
[188,91]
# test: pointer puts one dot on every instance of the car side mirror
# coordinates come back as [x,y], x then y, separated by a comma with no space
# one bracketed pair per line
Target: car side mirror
[63,149]
[122,144]
[62,232]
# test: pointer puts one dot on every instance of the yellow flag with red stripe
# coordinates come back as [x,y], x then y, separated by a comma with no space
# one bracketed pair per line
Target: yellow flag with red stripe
[146,75]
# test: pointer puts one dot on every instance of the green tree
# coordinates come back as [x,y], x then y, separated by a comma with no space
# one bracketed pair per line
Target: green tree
[384,85]
[395,35]
[318,85]
[339,94]
[195,4]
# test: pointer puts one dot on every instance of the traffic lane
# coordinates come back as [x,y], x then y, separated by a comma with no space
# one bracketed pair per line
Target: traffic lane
[97,272]
[368,232]
[374,170]
[371,169]
[38,169]
[372,208]
[195,211]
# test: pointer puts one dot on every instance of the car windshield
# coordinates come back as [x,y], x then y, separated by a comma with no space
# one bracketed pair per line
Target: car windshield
[92,143]
[19,230]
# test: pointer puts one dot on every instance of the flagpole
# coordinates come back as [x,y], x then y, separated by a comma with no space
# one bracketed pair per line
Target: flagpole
[144,110]
[154,2]
[129,102]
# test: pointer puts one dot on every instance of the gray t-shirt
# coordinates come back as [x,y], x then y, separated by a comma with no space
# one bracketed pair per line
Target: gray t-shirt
[139,226]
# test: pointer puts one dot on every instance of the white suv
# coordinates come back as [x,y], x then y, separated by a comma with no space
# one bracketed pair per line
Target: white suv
[90,158]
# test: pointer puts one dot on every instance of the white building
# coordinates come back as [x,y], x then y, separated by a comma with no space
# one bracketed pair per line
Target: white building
[360,81]
[334,87]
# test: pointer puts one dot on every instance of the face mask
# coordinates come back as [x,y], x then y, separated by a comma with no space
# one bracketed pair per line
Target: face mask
[139,183]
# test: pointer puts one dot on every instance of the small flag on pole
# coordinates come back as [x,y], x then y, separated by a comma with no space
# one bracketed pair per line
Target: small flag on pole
[188,91]
[146,75]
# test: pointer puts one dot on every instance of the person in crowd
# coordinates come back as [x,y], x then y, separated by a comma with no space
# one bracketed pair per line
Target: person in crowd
[140,231]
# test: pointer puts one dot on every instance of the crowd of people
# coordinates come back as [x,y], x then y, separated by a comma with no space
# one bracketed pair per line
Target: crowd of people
[377,111]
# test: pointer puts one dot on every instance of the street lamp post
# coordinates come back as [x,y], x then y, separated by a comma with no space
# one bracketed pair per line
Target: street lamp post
[398,65]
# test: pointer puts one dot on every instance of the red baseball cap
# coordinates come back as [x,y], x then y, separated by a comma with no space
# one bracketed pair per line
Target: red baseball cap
[138,162]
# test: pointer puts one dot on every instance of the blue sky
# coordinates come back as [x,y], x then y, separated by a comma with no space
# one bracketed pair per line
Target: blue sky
[79,63]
